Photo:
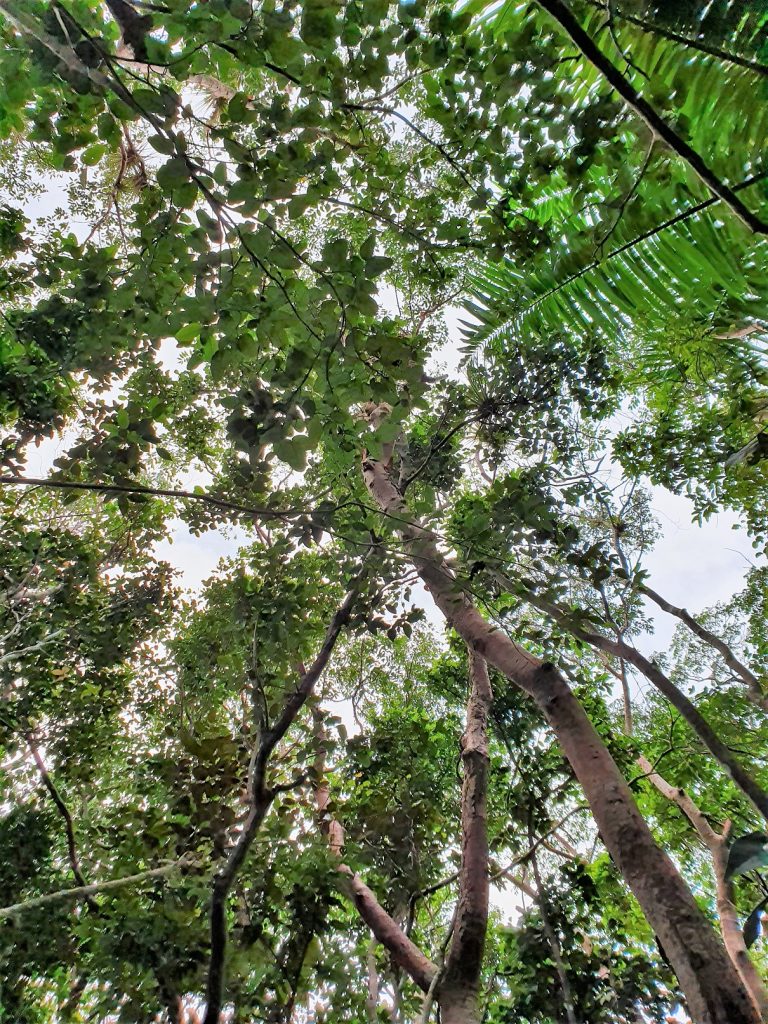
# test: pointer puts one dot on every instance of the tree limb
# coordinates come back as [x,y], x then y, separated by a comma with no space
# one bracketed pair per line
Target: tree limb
[755,691]
[386,930]
[261,799]
[92,889]
[152,492]
[693,717]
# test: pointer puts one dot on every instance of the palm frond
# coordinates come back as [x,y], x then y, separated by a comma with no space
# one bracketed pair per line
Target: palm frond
[621,246]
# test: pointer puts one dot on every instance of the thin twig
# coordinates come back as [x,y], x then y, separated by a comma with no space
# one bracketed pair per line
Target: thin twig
[63,810]
[81,892]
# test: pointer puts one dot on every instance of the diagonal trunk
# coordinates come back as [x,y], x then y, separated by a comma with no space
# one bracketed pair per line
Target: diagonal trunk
[713,989]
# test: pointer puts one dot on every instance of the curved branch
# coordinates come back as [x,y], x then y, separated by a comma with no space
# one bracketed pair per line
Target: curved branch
[63,810]
[152,492]
[755,691]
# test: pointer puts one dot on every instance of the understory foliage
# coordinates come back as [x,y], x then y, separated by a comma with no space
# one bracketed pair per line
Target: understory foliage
[512,255]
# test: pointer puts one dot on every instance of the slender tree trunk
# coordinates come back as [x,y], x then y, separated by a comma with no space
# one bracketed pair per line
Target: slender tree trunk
[554,944]
[713,989]
[733,936]
[372,998]
[261,796]
[460,982]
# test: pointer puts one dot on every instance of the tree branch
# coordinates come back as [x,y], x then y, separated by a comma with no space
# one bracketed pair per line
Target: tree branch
[152,492]
[63,810]
[261,798]
[387,931]
[31,649]
[756,694]
[92,889]
[693,717]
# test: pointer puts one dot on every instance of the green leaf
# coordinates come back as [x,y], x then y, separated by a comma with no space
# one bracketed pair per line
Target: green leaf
[377,265]
[162,144]
[188,333]
[93,154]
[172,174]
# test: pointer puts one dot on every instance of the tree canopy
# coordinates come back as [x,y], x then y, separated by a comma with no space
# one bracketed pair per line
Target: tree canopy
[419,306]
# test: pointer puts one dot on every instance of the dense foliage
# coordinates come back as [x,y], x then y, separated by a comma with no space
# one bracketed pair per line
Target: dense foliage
[235,235]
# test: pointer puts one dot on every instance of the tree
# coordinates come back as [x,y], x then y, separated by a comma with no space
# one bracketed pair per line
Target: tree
[257,180]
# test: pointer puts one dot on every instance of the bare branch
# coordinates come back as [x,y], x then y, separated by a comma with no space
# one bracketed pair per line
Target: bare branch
[81,892]
[152,492]
[755,691]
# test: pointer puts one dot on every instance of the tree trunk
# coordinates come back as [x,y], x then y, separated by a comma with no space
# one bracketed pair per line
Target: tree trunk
[733,935]
[713,989]
[458,1007]
[460,982]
